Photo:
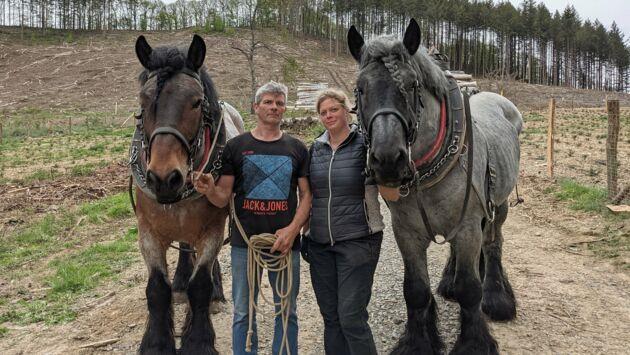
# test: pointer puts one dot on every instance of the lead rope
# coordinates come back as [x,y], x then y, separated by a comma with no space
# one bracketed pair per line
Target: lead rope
[257,260]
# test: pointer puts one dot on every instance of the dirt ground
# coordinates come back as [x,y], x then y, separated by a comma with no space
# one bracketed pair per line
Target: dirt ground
[570,301]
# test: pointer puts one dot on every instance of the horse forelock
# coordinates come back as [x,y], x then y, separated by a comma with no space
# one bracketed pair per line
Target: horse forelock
[393,54]
[169,60]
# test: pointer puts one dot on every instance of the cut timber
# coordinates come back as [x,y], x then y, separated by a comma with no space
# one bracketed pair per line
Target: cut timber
[619,208]
[98,344]
[461,77]
[307,94]
[467,84]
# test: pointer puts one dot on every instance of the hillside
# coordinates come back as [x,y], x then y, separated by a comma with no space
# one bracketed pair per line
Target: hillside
[96,71]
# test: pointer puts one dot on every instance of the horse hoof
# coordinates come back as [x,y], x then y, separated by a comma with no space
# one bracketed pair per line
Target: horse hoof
[157,349]
[487,346]
[200,348]
[498,306]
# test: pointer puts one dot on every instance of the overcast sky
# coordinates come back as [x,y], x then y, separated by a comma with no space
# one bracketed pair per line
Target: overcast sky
[606,11]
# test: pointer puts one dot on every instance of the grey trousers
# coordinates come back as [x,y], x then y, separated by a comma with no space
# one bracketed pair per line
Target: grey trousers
[342,277]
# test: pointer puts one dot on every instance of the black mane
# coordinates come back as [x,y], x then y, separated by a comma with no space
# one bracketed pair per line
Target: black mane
[169,60]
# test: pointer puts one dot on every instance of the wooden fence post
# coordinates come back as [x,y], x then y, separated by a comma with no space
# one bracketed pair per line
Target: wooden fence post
[612,107]
[552,119]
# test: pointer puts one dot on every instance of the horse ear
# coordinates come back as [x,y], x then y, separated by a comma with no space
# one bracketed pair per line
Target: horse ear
[143,51]
[197,52]
[412,37]
[355,43]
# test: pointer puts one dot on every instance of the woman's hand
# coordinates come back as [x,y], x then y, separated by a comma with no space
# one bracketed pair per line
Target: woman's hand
[203,183]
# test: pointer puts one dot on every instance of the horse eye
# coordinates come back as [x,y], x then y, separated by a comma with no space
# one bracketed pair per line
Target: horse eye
[197,104]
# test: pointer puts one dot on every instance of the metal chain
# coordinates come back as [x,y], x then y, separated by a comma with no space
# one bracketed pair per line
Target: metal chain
[451,150]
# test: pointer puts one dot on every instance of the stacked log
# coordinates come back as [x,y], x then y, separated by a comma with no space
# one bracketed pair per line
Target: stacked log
[465,81]
[307,94]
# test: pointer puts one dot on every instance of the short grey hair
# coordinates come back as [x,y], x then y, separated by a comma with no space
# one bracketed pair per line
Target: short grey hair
[271,87]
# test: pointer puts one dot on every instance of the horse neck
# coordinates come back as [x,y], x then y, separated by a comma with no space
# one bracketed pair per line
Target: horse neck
[429,125]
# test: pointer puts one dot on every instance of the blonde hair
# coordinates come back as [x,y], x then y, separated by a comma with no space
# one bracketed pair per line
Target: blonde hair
[337,95]
[334,94]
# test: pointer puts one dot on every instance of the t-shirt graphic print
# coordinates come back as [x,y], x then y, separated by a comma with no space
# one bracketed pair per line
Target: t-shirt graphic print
[266,183]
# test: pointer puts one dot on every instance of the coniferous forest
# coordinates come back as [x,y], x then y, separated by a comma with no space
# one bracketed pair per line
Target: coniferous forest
[483,37]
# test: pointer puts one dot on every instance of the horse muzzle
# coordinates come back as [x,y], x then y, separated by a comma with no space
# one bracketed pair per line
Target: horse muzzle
[390,167]
[166,188]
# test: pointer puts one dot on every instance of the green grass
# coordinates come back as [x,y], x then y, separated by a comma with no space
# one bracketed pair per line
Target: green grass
[582,197]
[50,310]
[533,117]
[114,207]
[73,275]
[56,232]
[85,270]
[3,331]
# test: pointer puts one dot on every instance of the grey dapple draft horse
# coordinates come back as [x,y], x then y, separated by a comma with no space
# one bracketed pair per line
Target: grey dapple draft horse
[181,129]
[413,117]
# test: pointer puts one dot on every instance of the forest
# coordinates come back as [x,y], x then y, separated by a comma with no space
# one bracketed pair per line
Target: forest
[485,38]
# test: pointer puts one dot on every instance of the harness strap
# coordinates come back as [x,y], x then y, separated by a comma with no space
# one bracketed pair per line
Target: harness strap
[173,131]
[469,171]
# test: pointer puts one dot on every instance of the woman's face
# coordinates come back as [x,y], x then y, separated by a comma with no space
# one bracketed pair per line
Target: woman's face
[333,115]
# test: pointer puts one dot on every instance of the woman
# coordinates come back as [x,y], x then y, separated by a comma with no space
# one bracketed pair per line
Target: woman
[344,241]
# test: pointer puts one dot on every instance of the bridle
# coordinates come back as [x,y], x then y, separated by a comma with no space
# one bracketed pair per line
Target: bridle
[411,129]
[203,150]
[193,146]
[410,126]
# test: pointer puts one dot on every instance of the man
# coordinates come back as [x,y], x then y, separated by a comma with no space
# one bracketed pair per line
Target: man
[263,168]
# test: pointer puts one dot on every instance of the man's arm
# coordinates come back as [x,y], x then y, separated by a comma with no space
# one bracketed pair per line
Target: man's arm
[287,235]
[218,194]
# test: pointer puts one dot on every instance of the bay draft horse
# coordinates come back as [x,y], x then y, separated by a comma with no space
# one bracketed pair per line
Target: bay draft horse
[420,143]
[182,128]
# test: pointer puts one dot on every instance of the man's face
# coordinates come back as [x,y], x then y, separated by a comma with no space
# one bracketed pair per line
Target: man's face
[271,108]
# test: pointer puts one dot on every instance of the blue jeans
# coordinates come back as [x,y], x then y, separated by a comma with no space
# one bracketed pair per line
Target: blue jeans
[240,298]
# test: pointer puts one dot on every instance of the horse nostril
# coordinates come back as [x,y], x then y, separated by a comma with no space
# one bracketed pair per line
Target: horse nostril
[174,180]
[153,180]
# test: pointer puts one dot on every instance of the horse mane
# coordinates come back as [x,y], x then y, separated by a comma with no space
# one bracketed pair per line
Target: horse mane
[391,51]
[169,60]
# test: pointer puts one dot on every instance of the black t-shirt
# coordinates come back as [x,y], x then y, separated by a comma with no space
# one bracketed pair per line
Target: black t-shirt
[265,182]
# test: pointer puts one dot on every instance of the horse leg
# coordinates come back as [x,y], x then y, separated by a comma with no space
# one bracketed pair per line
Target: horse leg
[498,300]
[474,337]
[445,288]
[217,283]
[158,335]
[184,268]
[198,336]
[421,334]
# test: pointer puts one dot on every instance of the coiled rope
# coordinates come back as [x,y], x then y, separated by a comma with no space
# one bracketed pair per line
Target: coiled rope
[259,258]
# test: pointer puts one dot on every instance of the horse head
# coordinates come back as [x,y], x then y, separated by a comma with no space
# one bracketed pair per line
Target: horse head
[397,100]
[174,101]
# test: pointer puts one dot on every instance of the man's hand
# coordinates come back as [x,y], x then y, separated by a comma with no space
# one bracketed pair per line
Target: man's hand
[203,183]
[286,236]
